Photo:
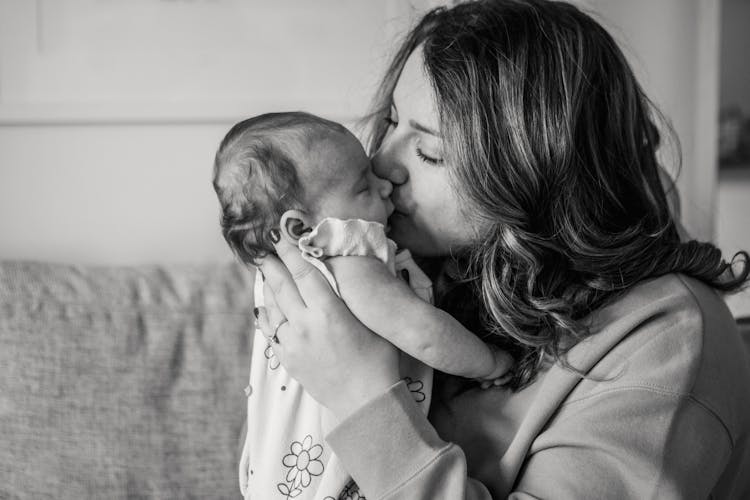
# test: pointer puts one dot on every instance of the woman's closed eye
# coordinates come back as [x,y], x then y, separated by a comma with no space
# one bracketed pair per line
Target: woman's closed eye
[427,158]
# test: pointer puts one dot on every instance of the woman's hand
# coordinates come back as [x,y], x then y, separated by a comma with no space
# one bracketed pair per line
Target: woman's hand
[337,360]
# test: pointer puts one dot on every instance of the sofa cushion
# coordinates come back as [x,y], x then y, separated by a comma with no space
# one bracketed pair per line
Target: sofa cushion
[122,382]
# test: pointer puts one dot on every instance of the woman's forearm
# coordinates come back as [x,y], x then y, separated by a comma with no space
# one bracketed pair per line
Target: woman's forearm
[394,453]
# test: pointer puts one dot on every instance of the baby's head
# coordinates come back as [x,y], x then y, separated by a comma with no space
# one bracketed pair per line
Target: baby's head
[290,171]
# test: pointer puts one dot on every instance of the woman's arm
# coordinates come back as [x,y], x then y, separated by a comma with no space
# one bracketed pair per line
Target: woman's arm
[340,363]
[384,439]
[387,306]
[636,442]
[393,452]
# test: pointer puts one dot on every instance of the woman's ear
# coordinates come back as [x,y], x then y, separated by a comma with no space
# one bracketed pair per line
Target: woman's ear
[294,224]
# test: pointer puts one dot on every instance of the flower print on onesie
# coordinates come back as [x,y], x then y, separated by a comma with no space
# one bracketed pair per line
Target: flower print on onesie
[285,454]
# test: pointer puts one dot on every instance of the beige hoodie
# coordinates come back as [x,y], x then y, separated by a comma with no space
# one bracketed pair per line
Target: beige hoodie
[664,413]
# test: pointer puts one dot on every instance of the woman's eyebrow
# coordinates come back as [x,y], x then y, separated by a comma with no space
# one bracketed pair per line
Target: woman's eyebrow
[423,128]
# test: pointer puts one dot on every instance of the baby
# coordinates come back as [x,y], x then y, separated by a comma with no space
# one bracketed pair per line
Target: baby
[311,179]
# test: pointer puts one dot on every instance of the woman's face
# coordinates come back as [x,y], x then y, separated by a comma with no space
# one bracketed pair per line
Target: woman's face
[427,217]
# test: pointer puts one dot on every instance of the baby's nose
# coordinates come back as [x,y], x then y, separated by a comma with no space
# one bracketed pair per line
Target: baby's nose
[386,188]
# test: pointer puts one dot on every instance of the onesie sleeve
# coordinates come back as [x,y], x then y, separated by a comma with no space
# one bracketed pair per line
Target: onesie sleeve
[393,452]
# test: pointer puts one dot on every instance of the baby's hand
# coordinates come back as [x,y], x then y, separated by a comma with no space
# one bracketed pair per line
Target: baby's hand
[501,374]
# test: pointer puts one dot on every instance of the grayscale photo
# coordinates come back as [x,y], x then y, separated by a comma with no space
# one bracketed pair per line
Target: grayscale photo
[374,249]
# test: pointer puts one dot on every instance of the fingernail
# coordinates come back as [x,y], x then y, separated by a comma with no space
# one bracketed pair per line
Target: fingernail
[275,235]
[255,312]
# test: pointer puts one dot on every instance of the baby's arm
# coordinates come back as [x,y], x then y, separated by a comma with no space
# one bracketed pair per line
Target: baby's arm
[387,306]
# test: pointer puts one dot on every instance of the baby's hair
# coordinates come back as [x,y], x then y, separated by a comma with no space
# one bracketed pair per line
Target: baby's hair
[255,176]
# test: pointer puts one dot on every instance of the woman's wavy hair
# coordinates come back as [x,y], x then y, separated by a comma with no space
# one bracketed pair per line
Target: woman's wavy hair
[552,143]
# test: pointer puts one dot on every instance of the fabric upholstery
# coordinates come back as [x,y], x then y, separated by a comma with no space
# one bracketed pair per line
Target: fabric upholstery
[122,382]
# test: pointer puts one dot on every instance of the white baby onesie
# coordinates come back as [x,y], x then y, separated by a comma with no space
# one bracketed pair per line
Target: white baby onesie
[285,454]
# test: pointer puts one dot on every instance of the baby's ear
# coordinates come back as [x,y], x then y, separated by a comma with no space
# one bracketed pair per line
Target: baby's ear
[294,224]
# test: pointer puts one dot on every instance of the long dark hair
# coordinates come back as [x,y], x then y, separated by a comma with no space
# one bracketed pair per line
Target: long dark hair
[552,144]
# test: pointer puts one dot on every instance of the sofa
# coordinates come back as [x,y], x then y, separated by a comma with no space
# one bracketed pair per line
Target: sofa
[122,382]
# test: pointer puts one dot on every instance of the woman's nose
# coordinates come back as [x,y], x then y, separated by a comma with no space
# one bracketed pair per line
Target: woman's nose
[385,165]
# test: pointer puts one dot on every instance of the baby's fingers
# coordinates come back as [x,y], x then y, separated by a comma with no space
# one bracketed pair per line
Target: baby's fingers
[503,380]
[503,364]
[486,384]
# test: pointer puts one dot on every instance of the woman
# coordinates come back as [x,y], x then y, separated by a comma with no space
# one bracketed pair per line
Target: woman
[522,154]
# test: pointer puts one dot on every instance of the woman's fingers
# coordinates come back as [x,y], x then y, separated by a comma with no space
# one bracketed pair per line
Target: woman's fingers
[263,323]
[311,284]
[275,316]
[282,287]
[267,328]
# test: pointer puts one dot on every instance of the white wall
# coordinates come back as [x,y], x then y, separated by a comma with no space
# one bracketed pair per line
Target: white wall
[109,193]
[108,179]
[110,112]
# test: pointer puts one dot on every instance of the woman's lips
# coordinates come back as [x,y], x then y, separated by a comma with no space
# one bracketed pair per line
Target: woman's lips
[400,202]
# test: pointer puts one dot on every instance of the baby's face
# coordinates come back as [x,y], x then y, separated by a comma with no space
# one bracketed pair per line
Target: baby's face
[338,181]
